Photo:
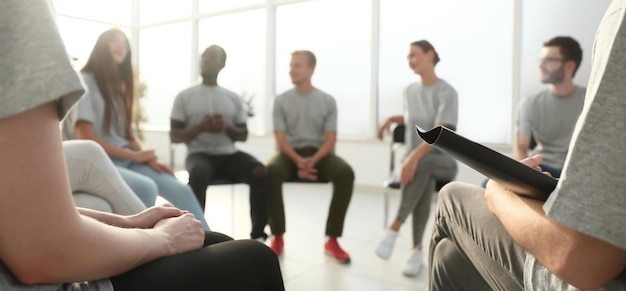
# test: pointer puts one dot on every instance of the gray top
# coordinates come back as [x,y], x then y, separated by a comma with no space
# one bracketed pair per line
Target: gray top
[551,120]
[427,106]
[305,118]
[590,194]
[35,69]
[91,107]
[193,104]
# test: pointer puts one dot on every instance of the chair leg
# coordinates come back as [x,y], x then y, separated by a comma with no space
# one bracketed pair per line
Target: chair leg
[386,208]
[232,210]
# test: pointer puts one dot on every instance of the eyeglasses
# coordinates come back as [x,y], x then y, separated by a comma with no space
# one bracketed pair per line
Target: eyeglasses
[550,60]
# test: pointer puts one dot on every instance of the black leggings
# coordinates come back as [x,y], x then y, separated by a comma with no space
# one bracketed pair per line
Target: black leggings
[222,264]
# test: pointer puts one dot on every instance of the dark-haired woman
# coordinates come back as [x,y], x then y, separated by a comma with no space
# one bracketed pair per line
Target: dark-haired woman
[427,103]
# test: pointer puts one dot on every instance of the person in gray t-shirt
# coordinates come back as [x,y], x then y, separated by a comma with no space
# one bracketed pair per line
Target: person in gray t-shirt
[550,115]
[493,239]
[210,119]
[427,103]
[305,130]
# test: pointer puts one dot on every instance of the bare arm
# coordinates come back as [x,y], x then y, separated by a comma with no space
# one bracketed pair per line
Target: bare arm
[178,133]
[520,147]
[327,147]
[84,130]
[579,259]
[385,127]
[237,132]
[285,147]
[51,242]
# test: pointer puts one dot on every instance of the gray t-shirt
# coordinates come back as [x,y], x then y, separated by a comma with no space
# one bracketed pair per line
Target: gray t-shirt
[91,108]
[305,118]
[551,120]
[35,69]
[193,104]
[590,195]
[427,106]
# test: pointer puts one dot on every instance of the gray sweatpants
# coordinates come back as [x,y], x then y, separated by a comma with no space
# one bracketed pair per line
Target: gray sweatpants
[91,171]
[469,248]
[416,196]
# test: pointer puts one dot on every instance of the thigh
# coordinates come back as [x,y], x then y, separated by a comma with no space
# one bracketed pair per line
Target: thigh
[223,265]
[281,165]
[478,233]
[202,165]
[241,166]
[332,166]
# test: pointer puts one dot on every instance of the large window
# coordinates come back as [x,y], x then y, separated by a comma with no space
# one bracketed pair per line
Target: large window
[476,50]
[343,51]
[243,37]
[487,50]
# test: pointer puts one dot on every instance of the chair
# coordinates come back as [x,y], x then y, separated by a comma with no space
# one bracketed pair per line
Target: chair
[393,182]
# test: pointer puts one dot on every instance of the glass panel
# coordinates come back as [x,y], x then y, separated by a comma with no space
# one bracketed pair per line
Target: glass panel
[153,11]
[164,68]
[111,11]
[208,6]
[80,37]
[475,42]
[343,53]
[242,35]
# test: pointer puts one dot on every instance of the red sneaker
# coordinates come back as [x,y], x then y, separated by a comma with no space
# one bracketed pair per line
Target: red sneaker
[277,244]
[333,249]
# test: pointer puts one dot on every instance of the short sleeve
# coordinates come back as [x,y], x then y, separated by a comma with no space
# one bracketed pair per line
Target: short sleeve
[448,108]
[590,195]
[178,109]
[330,123]
[241,116]
[524,125]
[278,115]
[34,65]
[85,108]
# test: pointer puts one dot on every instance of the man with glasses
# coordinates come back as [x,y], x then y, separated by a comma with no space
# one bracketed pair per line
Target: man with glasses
[550,115]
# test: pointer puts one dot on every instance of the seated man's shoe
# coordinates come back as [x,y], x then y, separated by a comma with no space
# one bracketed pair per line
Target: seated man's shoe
[385,247]
[414,264]
[277,245]
[332,248]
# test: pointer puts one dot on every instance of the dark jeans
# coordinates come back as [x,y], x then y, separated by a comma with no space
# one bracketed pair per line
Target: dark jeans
[223,264]
[470,249]
[240,167]
[331,168]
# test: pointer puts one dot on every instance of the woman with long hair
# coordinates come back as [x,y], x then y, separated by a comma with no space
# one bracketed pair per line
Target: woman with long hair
[427,103]
[104,115]
[46,243]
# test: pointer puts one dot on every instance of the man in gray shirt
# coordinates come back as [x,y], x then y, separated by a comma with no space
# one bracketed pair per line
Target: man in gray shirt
[493,239]
[549,116]
[305,129]
[210,119]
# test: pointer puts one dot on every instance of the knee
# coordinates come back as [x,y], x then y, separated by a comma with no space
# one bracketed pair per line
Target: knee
[345,174]
[259,171]
[448,191]
[83,149]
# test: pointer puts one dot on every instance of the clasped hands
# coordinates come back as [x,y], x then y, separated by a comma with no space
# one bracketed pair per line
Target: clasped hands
[213,123]
[306,169]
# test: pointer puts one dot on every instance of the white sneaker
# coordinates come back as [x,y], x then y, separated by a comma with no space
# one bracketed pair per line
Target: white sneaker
[414,264]
[385,248]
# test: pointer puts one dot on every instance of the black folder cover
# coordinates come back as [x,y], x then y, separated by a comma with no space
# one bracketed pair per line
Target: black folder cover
[516,176]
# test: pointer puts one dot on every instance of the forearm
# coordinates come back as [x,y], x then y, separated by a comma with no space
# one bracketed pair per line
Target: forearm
[395,119]
[286,149]
[327,147]
[181,135]
[237,132]
[578,259]
[104,217]
[420,151]
[112,150]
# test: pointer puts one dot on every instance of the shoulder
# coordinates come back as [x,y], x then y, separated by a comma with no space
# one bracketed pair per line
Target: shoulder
[323,94]
[228,93]
[284,95]
[443,86]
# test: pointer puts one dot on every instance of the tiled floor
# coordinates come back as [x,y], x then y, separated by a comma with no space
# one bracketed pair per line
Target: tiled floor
[304,264]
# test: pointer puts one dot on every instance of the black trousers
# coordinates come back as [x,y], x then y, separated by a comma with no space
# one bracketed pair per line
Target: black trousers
[240,167]
[223,264]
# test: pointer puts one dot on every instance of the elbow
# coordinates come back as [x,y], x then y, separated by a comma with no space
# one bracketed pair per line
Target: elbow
[589,275]
[39,271]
